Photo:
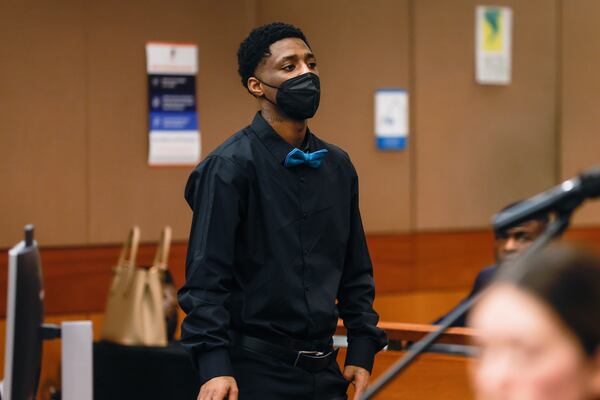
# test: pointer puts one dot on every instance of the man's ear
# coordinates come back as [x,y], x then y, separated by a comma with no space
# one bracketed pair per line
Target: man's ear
[255,87]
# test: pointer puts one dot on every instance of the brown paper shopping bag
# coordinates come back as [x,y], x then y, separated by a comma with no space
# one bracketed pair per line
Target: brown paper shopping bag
[134,310]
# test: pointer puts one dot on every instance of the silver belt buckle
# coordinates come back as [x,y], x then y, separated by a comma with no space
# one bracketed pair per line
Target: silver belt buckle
[316,354]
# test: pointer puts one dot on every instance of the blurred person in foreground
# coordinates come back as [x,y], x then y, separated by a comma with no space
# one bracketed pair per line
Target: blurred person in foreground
[539,329]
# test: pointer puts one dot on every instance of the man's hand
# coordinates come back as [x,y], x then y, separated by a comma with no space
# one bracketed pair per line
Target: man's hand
[219,388]
[359,377]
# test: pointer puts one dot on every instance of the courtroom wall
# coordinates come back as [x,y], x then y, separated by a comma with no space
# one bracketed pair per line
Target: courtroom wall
[479,147]
[73,117]
[580,95]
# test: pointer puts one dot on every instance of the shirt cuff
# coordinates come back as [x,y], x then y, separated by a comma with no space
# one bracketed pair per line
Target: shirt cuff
[361,353]
[213,363]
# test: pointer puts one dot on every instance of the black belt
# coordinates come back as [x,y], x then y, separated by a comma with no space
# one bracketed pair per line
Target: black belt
[309,360]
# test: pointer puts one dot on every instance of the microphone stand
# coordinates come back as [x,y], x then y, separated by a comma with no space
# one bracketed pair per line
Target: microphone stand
[554,229]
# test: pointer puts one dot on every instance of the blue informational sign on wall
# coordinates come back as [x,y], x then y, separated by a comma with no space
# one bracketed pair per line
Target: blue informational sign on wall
[172,102]
[173,119]
[391,119]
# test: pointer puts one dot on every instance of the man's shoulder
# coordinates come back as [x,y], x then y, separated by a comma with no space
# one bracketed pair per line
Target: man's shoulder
[222,162]
[231,151]
[485,276]
[231,146]
[336,153]
[488,271]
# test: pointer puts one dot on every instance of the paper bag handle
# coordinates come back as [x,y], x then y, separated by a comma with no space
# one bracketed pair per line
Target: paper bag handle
[161,258]
[130,248]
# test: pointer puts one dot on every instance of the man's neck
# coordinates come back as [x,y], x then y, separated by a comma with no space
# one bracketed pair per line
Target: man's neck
[290,130]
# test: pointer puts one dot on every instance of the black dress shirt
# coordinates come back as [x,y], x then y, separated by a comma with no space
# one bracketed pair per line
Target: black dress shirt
[272,248]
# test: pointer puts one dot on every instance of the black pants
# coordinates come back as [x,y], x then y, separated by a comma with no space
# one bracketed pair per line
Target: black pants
[261,377]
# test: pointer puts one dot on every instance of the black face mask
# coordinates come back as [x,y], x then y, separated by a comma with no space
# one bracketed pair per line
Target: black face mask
[298,97]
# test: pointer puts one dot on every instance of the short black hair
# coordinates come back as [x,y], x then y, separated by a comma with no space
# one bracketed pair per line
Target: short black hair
[256,46]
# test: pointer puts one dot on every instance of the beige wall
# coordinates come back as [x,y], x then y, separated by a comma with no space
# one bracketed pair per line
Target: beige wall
[480,147]
[74,113]
[42,121]
[580,97]
[123,189]
[73,108]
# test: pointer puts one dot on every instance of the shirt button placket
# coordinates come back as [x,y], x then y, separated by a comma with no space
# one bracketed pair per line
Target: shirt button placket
[304,242]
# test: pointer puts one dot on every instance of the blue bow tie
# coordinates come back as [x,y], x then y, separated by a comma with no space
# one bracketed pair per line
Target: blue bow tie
[297,157]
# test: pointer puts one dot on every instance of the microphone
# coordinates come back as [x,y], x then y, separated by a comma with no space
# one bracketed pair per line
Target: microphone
[562,198]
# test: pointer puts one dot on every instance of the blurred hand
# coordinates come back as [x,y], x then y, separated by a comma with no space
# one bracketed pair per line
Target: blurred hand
[219,388]
[359,377]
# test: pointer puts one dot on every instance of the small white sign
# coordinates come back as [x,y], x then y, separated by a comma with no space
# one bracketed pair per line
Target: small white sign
[493,45]
[171,58]
[391,118]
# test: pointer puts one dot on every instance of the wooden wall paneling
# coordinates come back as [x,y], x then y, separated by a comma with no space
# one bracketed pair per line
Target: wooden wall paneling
[76,280]
[124,190]
[360,47]
[417,306]
[393,257]
[429,260]
[42,124]
[580,95]
[451,261]
[481,146]
[432,376]
[588,236]
[417,276]
[181,316]
[97,319]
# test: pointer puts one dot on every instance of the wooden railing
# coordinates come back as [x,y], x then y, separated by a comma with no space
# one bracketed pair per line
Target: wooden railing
[431,376]
[414,332]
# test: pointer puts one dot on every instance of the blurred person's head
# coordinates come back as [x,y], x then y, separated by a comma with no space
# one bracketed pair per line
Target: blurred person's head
[511,242]
[539,330]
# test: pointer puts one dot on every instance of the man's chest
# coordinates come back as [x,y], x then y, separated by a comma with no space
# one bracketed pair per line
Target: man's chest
[280,198]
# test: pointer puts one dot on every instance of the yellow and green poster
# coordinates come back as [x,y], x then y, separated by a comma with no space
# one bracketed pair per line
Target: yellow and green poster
[493,45]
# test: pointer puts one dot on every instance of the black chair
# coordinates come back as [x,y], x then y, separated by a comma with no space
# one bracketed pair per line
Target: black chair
[149,373]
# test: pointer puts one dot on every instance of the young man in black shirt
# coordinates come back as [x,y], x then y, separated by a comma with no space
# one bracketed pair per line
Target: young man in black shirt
[277,250]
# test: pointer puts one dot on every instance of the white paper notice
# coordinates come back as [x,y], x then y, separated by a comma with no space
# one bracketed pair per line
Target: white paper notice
[493,45]
[391,119]
[174,135]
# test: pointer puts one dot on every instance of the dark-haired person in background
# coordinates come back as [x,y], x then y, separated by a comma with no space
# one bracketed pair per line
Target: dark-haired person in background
[539,331]
[276,241]
[508,244]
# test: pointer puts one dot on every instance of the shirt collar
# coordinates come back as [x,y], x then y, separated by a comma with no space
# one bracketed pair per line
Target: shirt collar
[275,143]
